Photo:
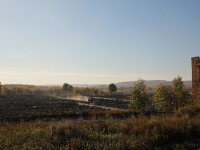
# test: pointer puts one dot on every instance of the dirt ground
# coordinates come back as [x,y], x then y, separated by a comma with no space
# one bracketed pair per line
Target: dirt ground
[32,107]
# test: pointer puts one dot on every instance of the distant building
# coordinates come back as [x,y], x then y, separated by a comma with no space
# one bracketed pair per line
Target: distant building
[196,78]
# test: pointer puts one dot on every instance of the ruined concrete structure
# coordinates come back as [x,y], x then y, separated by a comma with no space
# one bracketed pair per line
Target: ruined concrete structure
[196,78]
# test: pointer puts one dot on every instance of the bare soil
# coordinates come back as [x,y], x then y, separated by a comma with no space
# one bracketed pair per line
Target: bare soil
[30,107]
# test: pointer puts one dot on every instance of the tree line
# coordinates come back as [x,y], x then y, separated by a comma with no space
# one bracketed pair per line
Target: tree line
[20,89]
[166,98]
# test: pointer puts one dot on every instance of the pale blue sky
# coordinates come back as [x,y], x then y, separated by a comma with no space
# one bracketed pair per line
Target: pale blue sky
[97,42]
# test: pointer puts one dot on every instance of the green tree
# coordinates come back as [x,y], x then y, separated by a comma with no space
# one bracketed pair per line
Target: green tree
[112,88]
[68,88]
[181,94]
[163,98]
[139,98]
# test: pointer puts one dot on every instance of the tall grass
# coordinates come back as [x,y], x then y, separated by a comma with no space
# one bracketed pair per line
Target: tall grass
[180,130]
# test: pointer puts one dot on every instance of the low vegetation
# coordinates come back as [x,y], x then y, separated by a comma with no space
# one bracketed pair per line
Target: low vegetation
[180,130]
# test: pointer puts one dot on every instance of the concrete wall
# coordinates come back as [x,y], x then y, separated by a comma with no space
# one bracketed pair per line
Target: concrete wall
[196,78]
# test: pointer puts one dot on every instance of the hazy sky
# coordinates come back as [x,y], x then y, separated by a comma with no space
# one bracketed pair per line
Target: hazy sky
[97,41]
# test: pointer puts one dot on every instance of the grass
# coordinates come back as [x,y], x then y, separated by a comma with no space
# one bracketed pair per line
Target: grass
[180,130]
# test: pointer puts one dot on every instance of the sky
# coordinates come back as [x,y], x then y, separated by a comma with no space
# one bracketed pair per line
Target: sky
[97,41]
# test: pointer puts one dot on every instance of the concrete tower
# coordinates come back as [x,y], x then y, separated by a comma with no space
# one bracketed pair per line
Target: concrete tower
[196,79]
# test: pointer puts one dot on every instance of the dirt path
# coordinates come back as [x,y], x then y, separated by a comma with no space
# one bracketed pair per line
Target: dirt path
[91,105]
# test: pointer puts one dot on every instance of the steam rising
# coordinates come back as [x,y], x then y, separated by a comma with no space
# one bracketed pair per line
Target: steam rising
[79,98]
[64,95]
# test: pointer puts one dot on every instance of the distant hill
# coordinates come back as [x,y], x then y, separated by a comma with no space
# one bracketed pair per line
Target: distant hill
[80,85]
[148,83]
[88,85]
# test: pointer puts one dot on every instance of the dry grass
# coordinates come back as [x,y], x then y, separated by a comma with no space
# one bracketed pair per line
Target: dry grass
[170,131]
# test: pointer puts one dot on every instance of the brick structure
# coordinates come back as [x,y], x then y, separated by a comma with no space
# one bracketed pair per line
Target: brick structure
[196,79]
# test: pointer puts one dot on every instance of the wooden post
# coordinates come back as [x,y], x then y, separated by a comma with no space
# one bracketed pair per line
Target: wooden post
[53,130]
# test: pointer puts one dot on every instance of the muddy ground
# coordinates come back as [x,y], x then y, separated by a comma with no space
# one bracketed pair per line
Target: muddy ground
[31,107]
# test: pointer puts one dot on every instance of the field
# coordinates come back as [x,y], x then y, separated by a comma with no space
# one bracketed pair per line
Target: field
[42,122]
[15,108]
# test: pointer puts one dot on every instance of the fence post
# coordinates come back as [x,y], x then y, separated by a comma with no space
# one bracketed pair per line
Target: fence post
[53,130]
